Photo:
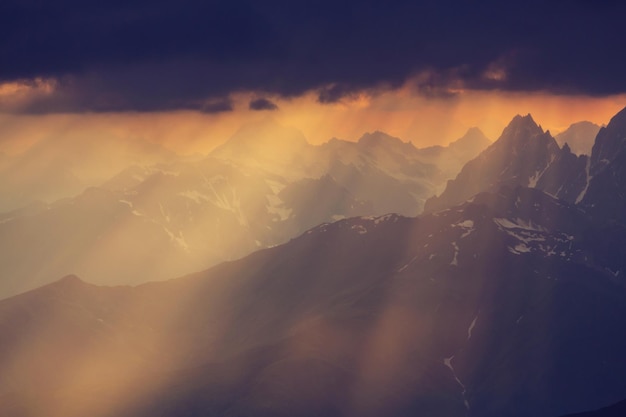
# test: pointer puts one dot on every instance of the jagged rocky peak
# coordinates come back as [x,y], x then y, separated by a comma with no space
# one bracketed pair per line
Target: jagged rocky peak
[565,148]
[521,130]
[611,140]
[519,157]
[524,135]
[525,122]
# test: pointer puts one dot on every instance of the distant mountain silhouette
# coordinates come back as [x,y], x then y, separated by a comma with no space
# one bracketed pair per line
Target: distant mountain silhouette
[579,137]
[263,187]
[64,165]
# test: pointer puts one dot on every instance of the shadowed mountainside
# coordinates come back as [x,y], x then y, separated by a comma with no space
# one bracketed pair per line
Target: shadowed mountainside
[508,305]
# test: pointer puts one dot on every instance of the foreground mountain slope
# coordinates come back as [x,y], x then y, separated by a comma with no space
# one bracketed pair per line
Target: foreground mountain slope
[392,175]
[616,410]
[508,305]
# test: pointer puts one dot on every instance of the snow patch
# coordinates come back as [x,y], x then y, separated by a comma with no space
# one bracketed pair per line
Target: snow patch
[194,195]
[448,363]
[359,229]
[178,240]
[277,206]
[532,181]
[128,203]
[402,268]
[162,210]
[275,186]
[471,327]
[519,249]
[518,223]
[385,218]
[466,224]
[456,253]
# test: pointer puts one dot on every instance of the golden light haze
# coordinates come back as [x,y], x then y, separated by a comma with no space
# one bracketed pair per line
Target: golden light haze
[422,120]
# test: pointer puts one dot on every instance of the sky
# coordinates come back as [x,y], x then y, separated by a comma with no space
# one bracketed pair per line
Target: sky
[188,73]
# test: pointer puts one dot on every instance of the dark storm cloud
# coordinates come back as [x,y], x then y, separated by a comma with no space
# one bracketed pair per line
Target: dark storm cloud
[333,93]
[163,54]
[262,104]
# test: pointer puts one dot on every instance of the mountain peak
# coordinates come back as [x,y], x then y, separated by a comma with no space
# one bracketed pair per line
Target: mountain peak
[69,280]
[522,152]
[520,130]
[524,122]
[473,131]
[378,137]
[474,138]
[66,285]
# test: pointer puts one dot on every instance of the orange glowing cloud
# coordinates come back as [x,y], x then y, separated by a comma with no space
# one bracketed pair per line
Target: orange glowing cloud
[400,112]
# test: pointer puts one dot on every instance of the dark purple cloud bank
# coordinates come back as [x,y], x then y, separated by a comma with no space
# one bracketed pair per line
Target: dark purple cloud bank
[149,55]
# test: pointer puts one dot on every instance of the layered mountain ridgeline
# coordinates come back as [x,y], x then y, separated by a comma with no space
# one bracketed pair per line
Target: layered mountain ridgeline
[526,155]
[382,170]
[63,165]
[513,304]
[263,187]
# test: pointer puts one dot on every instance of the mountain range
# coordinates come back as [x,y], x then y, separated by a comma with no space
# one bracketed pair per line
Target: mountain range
[171,218]
[63,165]
[506,298]
[526,155]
